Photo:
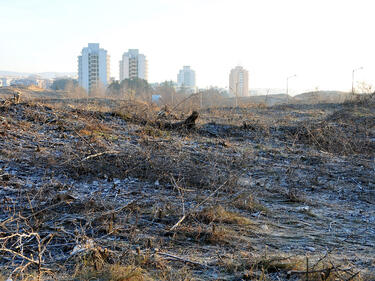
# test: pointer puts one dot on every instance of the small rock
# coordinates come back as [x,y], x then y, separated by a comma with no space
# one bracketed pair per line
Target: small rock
[256,215]
[264,227]
[303,209]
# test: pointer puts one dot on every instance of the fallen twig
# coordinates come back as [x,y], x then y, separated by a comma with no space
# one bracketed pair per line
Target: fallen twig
[115,211]
[354,275]
[100,154]
[181,259]
[330,269]
[197,206]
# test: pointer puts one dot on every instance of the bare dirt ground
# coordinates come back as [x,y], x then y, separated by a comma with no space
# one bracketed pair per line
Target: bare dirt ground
[94,192]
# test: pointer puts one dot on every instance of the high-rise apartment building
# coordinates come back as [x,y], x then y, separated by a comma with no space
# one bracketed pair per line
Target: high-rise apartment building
[93,67]
[133,65]
[239,82]
[186,78]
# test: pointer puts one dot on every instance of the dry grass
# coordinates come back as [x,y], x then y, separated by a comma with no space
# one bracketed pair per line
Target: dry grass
[112,273]
[335,138]
[213,234]
[221,215]
[248,202]
[122,182]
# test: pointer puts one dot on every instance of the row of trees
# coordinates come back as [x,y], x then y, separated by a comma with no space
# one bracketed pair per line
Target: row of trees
[70,86]
[140,89]
[130,89]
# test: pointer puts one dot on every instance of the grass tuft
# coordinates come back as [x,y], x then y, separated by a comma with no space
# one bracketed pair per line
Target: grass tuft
[113,273]
[220,214]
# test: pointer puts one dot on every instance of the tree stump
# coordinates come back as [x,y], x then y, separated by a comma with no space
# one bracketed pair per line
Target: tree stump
[17,97]
[189,123]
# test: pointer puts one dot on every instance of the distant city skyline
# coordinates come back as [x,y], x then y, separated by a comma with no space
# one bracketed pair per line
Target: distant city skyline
[320,41]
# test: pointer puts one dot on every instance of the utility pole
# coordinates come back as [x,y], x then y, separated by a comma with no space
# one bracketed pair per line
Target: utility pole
[268,91]
[287,86]
[236,94]
[354,70]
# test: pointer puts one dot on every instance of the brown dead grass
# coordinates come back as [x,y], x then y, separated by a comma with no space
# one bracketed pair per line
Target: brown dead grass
[113,273]
[197,163]
[205,235]
[248,202]
[220,214]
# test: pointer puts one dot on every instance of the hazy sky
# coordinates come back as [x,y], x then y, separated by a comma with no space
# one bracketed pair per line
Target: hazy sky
[321,41]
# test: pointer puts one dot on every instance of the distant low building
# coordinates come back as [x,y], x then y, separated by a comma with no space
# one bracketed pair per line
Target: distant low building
[156,99]
[41,83]
[48,83]
[171,84]
[5,81]
[24,82]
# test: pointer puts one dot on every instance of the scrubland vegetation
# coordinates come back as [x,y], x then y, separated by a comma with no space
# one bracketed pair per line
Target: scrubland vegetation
[96,189]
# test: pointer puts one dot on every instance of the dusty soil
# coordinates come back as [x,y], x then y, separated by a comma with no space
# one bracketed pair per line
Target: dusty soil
[249,194]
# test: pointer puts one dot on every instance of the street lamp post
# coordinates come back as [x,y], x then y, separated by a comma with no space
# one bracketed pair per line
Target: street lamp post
[354,70]
[287,85]
[235,94]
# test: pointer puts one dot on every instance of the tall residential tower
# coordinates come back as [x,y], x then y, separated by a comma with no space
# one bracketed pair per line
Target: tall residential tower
[133,65]
[93,67]
[186,78]
[239,82]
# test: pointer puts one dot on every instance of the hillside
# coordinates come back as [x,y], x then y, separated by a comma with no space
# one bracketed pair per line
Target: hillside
[43,75]
[271,99]
[322,97]
[304,98]
[31,92]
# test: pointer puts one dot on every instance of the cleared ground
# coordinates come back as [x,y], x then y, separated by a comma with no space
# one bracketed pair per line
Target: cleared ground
[99,190]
